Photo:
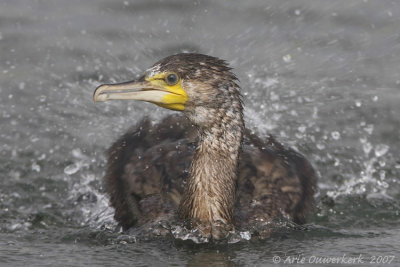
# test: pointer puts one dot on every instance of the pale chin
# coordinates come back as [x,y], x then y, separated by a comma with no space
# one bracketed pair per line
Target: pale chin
[200,116]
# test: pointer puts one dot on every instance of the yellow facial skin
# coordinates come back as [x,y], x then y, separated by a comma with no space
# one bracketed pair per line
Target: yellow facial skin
[176,99]
[154,89]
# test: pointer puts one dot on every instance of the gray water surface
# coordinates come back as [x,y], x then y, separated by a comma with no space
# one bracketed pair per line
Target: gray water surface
[322,76]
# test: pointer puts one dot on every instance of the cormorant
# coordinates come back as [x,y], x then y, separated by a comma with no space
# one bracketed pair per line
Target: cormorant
[204,167]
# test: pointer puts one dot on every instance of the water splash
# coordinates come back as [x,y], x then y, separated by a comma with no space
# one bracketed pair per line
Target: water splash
[90,205]
[372,177]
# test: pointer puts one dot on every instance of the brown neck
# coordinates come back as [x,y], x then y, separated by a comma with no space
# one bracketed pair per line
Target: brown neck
[210,190]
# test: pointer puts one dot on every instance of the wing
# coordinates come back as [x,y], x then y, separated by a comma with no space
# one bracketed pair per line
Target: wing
[273,181]
[148,167]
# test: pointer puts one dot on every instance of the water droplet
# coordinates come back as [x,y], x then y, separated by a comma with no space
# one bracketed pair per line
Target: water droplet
[270,82]
[358,103]
[375,98]
[35,167]
[302,128]
[78,154]
[274,96]
[21,86]
[71,169]
[367,148]
[297,12]
[369,128]
[245,235]
[381,150]
[287,58]
[320,146]
[42,98]
[335,135]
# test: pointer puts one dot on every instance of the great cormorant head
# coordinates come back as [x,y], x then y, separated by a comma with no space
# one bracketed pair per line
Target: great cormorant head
[185,82]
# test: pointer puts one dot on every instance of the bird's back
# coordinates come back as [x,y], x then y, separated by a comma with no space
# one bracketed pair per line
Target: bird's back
[149,165]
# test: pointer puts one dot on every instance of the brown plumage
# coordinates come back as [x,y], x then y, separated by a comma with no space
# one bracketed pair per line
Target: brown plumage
[204,166]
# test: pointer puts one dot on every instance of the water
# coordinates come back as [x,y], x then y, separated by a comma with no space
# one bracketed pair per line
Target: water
[321,76]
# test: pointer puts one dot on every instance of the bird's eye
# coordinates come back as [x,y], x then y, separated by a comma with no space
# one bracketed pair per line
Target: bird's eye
[171,79]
